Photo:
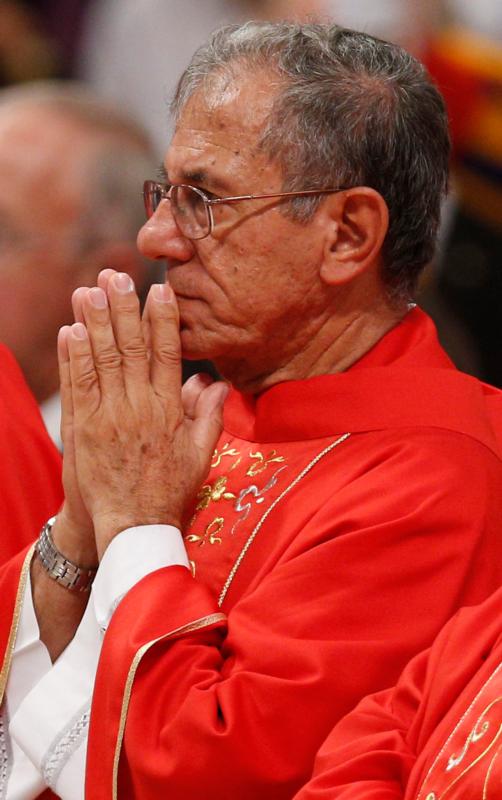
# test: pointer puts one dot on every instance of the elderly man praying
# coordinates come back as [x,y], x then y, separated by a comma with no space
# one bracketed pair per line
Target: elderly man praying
[269,554]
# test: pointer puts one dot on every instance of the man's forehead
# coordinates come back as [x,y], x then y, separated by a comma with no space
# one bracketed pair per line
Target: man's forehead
[221,125]
[233,98]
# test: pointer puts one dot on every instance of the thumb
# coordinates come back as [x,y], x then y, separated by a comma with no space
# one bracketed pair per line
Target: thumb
[208,417]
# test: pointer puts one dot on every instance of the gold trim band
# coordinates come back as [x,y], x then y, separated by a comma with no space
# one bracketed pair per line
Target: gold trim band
[4,672]
[204,622]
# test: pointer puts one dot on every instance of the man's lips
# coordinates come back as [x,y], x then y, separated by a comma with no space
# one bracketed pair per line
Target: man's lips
[186,294]
[185,298]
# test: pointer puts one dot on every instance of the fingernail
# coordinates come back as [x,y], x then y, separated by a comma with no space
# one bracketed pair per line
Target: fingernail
[98,298]
[63,332]
[162,292]
[79,330]
[123,283]
[224,389]
[61,342]
[202,378]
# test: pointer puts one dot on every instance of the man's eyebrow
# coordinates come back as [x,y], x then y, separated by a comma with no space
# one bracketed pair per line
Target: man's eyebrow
[196,177]
[205,178]
[162,173]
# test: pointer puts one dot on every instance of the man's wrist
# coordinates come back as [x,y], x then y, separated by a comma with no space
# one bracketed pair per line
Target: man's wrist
[108,526]
[74,540]
[70,575]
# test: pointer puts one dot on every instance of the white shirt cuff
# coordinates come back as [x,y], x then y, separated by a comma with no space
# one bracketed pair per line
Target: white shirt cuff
[132,555]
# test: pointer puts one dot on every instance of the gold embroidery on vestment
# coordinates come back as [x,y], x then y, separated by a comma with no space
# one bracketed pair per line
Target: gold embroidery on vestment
[476,760]
[249,541]
[213,493]
[217,491]
[481,727]
[460,722]
[226,450]
[210,534]
[262,462]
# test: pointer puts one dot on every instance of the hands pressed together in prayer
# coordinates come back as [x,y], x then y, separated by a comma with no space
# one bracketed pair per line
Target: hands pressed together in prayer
[136,445]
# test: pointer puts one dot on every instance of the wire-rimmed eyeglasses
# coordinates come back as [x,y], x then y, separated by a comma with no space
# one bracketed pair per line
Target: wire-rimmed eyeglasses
[193,210]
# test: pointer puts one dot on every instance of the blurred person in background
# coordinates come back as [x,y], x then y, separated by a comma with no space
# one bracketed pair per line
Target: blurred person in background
[63,217]
[39,38]
[26,51]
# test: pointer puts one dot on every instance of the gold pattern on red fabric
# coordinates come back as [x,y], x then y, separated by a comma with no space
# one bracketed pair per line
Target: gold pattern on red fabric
[228,497]
[469,763]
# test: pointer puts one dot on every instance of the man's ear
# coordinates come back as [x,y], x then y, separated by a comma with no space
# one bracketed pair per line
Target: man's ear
[356,224]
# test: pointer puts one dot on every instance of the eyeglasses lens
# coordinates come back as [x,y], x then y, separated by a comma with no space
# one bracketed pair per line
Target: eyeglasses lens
[190,212]
[152,195]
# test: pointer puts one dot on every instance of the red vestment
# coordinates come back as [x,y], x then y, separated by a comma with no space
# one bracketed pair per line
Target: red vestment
[30,466]
[437,734]
[31,491]
[321,563]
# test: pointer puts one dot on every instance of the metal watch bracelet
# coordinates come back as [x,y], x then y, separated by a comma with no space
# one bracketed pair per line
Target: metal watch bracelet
[60,568]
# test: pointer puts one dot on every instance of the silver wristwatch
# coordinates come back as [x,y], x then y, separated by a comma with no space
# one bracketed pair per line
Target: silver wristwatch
[59,568]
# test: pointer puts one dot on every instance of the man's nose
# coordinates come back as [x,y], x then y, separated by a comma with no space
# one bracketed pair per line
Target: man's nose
[160,237]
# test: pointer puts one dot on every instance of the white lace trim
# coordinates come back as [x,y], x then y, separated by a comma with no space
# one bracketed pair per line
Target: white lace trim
[5,753]
[64,745]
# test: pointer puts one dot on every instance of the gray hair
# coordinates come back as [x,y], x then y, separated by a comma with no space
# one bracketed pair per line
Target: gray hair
[112,205]
[350,110]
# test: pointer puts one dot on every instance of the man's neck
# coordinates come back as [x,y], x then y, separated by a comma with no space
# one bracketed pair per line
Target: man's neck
[337,343]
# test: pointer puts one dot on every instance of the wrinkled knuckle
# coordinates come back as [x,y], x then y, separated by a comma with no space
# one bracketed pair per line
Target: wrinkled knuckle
[168,354]
[108,360]
[134,350]
[85,377]
[128,307]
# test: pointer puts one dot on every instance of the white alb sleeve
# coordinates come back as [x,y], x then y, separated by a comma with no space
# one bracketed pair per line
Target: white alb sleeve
[50,724]
[19,778]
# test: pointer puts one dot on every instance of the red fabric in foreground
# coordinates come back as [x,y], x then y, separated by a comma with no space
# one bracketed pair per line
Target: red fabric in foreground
[416,739]
[30,466]
[30,476]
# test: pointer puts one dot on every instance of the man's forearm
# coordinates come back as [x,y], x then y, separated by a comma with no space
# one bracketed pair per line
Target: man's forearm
[58,610]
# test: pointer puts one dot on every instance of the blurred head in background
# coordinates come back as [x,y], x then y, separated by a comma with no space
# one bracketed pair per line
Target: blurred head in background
[71,170]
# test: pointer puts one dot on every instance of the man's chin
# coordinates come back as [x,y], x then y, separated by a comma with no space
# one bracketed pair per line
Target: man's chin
[195,359]
[193,347]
